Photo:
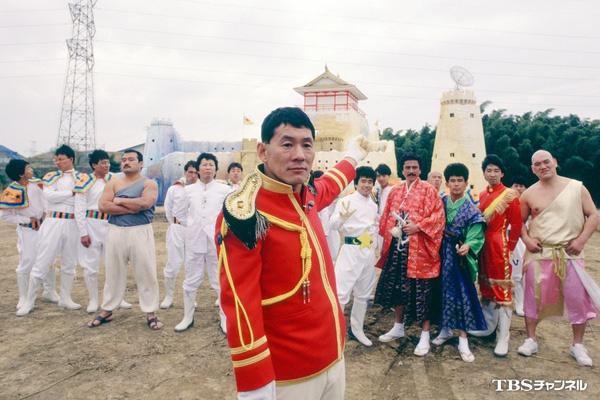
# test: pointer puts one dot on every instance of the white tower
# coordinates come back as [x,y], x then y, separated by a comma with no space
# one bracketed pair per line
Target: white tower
[459,134]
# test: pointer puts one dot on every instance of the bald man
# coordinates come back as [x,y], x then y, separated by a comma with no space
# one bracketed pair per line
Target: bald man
[435,179]
[563,218]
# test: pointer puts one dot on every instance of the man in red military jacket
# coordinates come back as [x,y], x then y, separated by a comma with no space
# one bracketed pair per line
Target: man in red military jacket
[285,327]
[501,210]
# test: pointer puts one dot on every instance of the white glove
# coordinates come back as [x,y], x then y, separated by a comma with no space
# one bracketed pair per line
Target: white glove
[360,146]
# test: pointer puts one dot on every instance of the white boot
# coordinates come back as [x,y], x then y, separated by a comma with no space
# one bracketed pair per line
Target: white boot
[169,292]
[490,313]
[518,298]
[22,284]
[189,299]
[463,349]
[423,346]
[395,333]
[66,285]
[49,293]
[357,321]
[91,282]
[503,337]
[34,285]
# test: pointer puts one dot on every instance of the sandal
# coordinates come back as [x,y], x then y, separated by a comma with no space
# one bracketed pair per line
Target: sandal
[99,320]
[154,323]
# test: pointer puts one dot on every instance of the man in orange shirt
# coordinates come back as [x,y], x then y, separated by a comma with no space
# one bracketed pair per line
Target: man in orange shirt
[285,327]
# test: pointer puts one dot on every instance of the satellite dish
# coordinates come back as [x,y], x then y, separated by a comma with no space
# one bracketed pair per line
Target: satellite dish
[461,76]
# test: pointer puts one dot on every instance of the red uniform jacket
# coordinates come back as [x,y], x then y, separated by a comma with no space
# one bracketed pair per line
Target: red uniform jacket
[424,207]
[278,291]
[501,209]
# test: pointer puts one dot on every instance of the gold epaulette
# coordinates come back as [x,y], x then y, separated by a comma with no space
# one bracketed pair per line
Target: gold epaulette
[51,177]
[84,182]
[500,203]
[240,214]
[14,197]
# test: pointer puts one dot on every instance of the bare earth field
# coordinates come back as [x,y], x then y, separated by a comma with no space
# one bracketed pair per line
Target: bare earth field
[51,354]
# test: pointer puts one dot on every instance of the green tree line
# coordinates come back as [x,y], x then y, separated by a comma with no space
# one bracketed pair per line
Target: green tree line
[575,142]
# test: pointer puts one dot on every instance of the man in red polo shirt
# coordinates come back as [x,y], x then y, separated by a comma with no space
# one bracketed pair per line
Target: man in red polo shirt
[285,327]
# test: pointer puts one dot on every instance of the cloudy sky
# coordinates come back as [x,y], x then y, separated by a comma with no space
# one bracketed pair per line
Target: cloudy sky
[205,64]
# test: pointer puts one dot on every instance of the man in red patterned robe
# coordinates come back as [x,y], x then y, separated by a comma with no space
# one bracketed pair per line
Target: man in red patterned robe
[412,226]
[501,209]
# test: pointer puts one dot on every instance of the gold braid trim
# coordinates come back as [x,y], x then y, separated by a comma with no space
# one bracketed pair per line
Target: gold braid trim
[500,203]
[252,360]
[504,283]
[305,254]
[239,307]
[257,343]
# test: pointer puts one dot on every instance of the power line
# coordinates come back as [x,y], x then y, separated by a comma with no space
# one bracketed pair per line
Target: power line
[277,57]
[390,21]
[31,26]
[360,50]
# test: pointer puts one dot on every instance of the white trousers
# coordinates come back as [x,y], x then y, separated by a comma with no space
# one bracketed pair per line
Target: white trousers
[196,264]
[57,237]
[90,257]
[329,385]
[135,245]
[27,242]
[175,250]
[354,273]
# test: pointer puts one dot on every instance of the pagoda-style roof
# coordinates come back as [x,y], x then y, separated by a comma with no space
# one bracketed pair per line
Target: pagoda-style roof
[327,81]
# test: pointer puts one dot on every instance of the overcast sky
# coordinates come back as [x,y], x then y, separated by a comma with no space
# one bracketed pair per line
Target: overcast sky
[205,64]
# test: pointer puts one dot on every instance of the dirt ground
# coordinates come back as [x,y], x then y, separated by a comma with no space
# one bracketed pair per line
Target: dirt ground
[50,354]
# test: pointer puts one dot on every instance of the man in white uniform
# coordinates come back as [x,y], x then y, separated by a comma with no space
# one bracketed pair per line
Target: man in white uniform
[175,211]
[235,173]
[58,234]
[356,218]
[92,224]
[204,202]
[516,258]
[22,204]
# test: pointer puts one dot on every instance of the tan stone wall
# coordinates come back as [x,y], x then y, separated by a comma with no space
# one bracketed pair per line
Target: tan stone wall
[459,136]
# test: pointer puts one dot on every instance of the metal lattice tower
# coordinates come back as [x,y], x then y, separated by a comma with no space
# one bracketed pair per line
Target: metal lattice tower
[77,122]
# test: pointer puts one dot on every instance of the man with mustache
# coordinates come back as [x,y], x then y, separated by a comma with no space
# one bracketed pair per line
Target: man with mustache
[286,329]
[412,226]
[92,224]
[129,201]
[563,218]
[501,209]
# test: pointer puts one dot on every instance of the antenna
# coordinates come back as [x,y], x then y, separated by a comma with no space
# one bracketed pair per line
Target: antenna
[77,122]
[461,76]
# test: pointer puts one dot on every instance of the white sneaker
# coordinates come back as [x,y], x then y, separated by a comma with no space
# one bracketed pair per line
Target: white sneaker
[395,333]
[528,348]
[423,346]
[444,335]
[422,349]
[580,354]
[466,355]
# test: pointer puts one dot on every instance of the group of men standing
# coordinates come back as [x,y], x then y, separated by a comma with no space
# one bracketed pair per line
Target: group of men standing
[281,284]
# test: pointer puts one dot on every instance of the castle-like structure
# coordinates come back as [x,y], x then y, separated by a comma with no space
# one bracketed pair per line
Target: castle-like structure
[459,136]
[330,102]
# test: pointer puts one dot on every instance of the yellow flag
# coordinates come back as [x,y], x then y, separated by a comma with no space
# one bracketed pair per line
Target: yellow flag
[248,121]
